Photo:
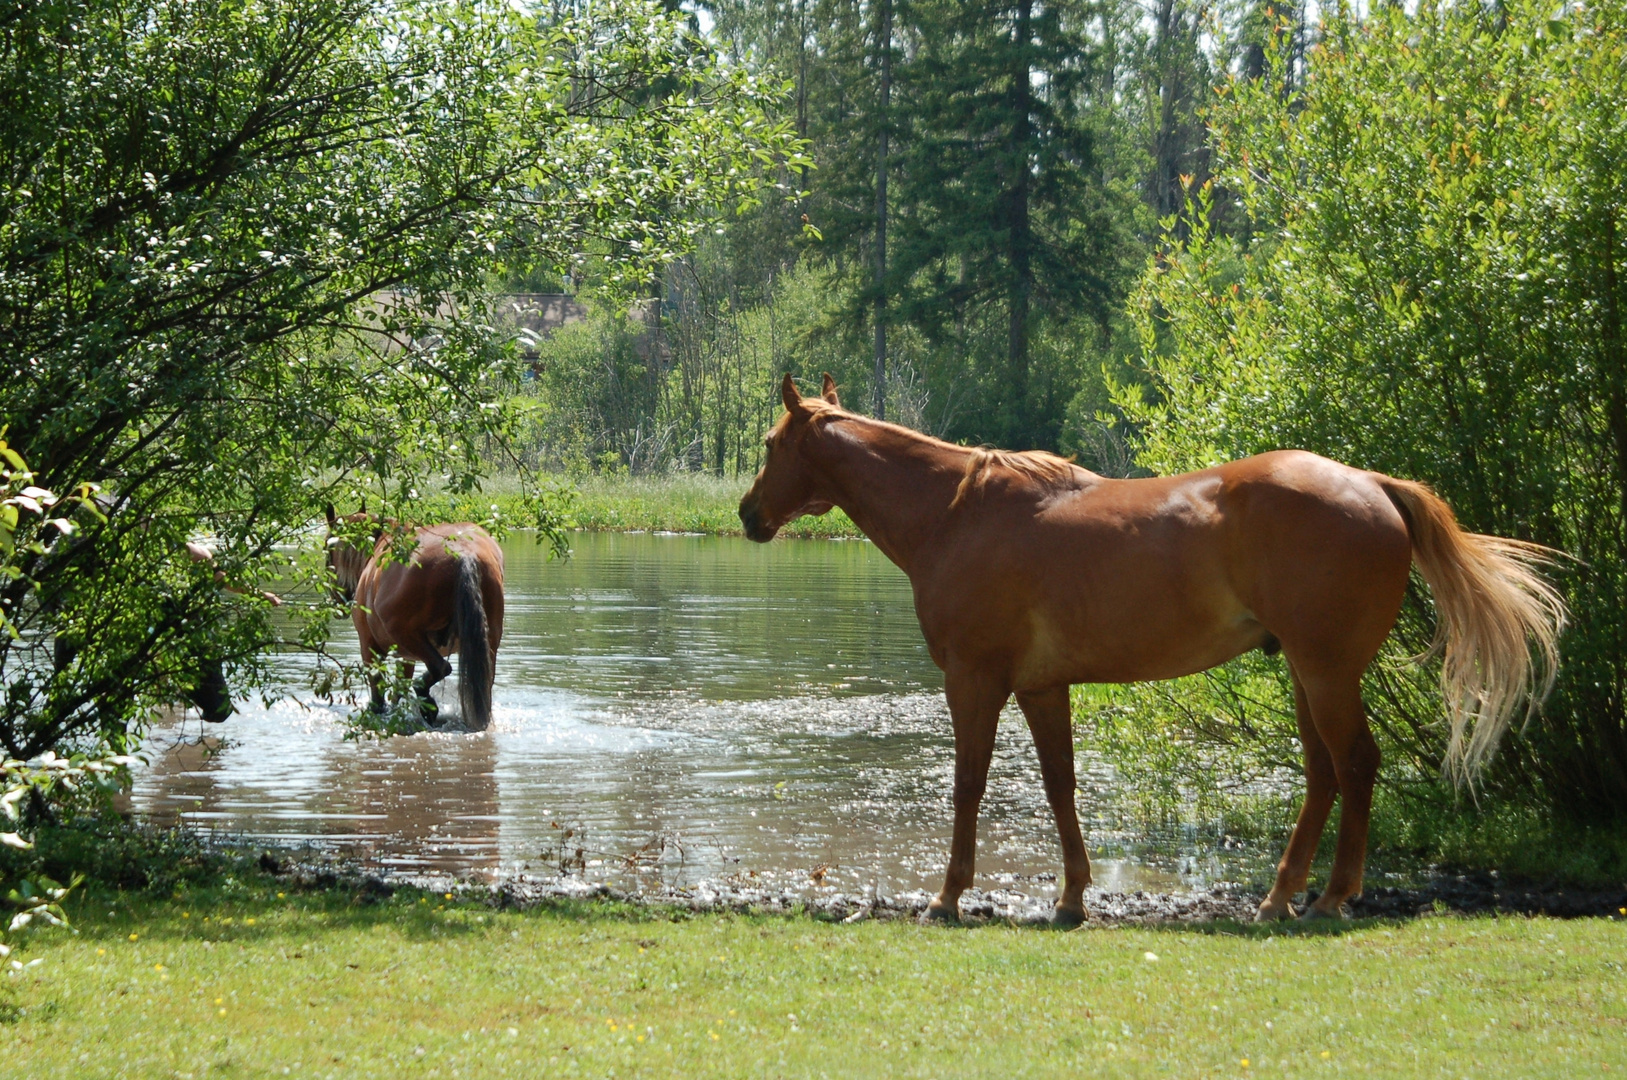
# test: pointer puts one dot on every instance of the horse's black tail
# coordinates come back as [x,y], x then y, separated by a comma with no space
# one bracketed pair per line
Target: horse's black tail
[475,667]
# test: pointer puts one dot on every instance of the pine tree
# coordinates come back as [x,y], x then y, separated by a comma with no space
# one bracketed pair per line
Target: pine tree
[1000,217]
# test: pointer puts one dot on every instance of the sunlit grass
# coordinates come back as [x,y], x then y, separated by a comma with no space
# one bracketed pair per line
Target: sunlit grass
[249,982]
[680,502]
[687,502]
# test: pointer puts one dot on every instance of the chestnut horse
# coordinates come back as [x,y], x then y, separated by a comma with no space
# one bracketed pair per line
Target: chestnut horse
[448,595]
[1031,574]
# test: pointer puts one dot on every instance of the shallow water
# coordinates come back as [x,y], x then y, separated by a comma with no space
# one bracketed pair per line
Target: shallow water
[669,709]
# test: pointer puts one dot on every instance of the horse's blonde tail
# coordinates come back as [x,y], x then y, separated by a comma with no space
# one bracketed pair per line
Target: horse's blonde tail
[1494,610]
[475,661]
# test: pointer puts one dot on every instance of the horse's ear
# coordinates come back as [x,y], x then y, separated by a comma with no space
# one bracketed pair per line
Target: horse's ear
[792,397]
[828,391]
[333,520]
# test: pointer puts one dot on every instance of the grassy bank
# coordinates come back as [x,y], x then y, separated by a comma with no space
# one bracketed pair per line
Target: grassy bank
[684,503]
[681,502]
[247,980]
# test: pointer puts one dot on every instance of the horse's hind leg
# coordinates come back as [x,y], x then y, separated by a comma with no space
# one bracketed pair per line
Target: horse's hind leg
[974,707]
[1336,709]
[1321,785]
[436,669]
[1050,721]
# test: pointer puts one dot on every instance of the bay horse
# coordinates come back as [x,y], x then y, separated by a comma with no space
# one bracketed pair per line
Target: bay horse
[1031,574]
[446,596]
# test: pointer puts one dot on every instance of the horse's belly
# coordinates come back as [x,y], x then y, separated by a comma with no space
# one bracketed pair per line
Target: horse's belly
[1058,654]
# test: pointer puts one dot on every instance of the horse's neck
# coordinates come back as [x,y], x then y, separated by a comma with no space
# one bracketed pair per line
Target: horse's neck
[896,487]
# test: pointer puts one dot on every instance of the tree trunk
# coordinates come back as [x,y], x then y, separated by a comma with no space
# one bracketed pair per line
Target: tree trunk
[1019,234]
[1615,358]
[1166,169]
[884,41]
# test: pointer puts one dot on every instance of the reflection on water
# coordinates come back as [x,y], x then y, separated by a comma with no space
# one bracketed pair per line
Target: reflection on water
[667,708]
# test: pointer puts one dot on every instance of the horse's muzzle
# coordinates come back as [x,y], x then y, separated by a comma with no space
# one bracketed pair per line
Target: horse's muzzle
[751,522]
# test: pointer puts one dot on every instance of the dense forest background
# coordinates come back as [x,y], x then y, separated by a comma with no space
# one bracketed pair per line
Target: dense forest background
[987,183]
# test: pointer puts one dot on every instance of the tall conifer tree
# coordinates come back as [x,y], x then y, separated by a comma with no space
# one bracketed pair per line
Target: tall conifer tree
[999,212]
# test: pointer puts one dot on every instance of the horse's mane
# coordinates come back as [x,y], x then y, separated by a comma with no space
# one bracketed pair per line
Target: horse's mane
[1038,466]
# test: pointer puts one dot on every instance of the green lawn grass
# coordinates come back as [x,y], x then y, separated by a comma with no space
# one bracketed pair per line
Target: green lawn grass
[244,981]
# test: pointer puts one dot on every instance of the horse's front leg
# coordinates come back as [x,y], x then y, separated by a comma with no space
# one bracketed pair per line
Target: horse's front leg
[975,700]
[375,683]
[1050,720]
[372,661]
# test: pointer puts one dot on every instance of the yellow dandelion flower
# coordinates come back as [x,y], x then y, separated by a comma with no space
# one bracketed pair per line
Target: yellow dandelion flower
[714,1035]
[640,1038]
[219,1000]
[1243,1062]
[133,937]
[248,921]
[186,914]
[220,1012]
[101,952]
[1326,1054]
[449,896]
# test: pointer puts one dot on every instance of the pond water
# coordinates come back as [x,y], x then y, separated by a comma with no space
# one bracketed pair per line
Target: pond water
[669,709]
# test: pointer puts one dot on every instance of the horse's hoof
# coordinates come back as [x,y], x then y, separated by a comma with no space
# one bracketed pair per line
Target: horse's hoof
[940,912]
[1270,912]
[1066,918]
[1317,914]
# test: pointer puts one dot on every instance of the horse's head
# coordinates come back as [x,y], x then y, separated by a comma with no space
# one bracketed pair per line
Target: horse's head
[345,559]
[788,486]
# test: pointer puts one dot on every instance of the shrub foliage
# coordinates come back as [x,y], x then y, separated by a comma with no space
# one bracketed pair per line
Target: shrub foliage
[242,250]
[1431,286]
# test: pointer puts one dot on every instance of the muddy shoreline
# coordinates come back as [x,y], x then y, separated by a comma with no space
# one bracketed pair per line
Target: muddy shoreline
[1464,894]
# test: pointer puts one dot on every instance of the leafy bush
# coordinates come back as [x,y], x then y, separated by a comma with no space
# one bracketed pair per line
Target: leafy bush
[1431,287]
[244,246]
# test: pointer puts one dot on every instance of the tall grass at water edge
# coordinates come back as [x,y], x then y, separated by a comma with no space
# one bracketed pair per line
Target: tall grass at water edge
[679,502]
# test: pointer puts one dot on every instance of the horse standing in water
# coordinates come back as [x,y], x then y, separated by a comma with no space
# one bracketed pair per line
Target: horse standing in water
[1031,574]
[447,596]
